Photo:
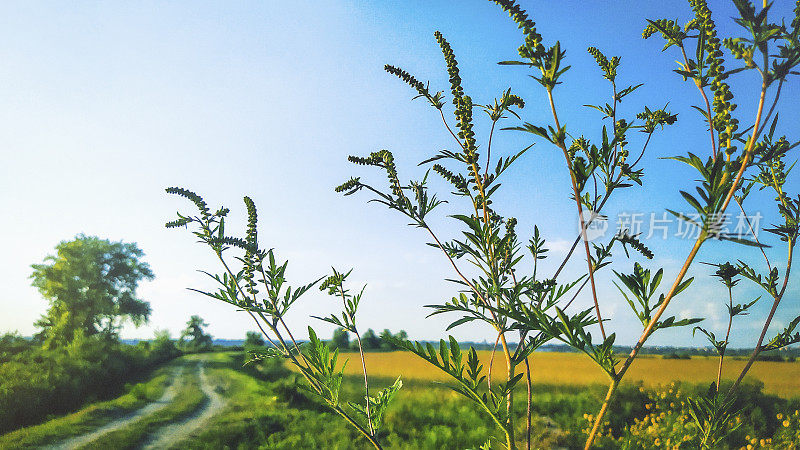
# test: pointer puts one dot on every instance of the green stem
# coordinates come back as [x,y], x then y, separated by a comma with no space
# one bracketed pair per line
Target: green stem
[529,402]
[606,401]
[580,215]
[775,303]
[363,363]
[358,427]
[727,336]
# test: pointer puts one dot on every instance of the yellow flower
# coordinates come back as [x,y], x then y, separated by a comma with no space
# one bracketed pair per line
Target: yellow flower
[779,416]
[786,423]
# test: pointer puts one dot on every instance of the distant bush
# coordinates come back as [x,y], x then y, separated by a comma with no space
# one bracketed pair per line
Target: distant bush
[253,339]
[676,355]
[163,348]
[138,390]
[774,357]
[12,344]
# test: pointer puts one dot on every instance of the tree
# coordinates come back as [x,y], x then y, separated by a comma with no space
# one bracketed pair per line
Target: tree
[198,339]
[253,339]
[12,344]
[163,347]
[340,339]
[90,284]
[387,339]
[370,340]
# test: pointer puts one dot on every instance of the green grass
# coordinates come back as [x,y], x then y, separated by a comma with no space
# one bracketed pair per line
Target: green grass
[267,408]
[92,416]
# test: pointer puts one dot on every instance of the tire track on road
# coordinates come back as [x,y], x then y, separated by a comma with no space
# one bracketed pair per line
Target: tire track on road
[170,435]
[176,382]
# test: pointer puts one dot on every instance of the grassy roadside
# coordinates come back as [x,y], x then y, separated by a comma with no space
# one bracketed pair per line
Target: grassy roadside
[92,416]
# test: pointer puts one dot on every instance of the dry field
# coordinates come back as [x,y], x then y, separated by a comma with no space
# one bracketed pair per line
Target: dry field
[779,378]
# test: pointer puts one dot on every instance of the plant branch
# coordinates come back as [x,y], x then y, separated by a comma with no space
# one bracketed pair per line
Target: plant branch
[778,297]
[708,105]
[363,363]
[607,401]
[498,326]
[753,232]
[580,214]
[703,235]
[358,427]
[451,130]
[489,150]
[491,361]
[772,107]
[727,337]
[529,402]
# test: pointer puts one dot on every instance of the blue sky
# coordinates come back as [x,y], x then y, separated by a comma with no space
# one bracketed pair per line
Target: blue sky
[107,103]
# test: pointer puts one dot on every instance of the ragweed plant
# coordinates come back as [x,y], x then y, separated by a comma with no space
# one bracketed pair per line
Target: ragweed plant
[498,277]
[760,163]
[723,172]
[532,306]
[517,302]
[258,286]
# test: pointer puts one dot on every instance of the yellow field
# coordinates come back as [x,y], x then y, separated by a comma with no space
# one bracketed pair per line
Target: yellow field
[577,369]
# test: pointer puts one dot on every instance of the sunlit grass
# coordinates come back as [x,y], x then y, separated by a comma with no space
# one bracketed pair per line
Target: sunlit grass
[575,369]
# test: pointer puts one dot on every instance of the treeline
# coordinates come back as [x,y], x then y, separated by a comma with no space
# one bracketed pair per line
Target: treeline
[369,340]
[786,354]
